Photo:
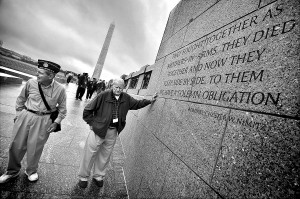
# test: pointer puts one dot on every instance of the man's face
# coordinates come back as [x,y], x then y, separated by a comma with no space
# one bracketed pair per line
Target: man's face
[117,88]
[43,77]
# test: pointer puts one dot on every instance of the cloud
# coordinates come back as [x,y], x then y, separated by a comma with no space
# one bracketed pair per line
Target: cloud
[72,32]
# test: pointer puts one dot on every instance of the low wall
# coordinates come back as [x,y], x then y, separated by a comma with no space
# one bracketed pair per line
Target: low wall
[29,70]
[18,65]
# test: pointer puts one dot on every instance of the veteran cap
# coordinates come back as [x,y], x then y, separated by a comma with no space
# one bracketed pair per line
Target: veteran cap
[48,65]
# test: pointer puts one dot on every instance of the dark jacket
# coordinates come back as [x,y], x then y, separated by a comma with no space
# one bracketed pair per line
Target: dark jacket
[98,113]
[101,86]
[91,85]
[82,81]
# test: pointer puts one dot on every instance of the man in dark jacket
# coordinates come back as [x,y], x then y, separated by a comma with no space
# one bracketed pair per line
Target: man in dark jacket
[82,82]
[106,116]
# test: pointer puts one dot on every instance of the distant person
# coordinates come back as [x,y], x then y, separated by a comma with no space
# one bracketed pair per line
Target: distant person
[69,77]
[106,115]
[32,124]
[82,83]
[78,75]
[91,87]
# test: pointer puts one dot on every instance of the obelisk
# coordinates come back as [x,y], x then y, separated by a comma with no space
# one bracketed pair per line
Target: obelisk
[101,59]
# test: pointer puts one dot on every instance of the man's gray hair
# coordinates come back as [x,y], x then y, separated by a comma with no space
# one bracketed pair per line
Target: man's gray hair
[118,81]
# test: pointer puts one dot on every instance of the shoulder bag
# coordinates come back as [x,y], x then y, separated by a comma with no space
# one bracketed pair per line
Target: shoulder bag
[54,114]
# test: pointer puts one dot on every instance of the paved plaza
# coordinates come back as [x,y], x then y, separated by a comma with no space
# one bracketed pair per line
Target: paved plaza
[60,160]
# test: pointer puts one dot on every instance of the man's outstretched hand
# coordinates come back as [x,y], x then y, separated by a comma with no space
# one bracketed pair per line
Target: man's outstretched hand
[154,98]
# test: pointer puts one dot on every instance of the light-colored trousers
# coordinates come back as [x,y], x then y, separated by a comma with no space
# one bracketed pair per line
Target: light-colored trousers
[96,154]
[29,135]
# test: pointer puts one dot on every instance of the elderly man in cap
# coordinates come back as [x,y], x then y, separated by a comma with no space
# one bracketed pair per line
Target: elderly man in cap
[106,116]
[32,124]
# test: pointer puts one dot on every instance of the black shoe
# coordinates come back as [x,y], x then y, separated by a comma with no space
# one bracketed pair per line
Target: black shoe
[76,98]
[82,184]
[99,183]
[80,99]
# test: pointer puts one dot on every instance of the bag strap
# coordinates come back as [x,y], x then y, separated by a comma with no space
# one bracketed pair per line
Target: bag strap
[43,97]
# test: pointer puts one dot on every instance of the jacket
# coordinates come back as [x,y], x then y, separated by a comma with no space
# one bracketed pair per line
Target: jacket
[91,85]
[98,112]
[82,81]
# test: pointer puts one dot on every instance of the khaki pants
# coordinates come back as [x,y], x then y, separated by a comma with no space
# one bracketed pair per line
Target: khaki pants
[96,154]
[29,134]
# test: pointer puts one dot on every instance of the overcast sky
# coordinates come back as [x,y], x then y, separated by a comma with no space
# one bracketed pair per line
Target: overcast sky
[72,32]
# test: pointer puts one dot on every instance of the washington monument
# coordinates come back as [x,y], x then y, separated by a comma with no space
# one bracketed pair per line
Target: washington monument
[101,59]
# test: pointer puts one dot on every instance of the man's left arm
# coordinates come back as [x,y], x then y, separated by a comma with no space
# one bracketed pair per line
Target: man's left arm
[62,106]
[137,104]
[62,110]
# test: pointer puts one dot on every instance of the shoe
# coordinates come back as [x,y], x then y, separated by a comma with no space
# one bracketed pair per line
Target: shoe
[80,99]
[82,184]
[99,183]
[33,177]
[5,177]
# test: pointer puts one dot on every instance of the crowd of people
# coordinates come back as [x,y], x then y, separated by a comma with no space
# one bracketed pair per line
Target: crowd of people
[88,85]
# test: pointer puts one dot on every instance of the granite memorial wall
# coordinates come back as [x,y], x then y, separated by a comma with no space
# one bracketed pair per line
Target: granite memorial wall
[226,122]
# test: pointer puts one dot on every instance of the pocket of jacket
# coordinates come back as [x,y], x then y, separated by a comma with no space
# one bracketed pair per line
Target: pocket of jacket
[98,124]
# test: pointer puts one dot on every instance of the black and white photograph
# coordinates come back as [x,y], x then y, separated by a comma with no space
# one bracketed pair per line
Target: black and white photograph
[149,99]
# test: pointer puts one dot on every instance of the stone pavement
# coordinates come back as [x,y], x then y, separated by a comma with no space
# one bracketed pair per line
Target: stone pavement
[60,160]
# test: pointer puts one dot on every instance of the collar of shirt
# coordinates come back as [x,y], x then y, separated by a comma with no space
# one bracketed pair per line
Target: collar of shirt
[114,97]
[50,85]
